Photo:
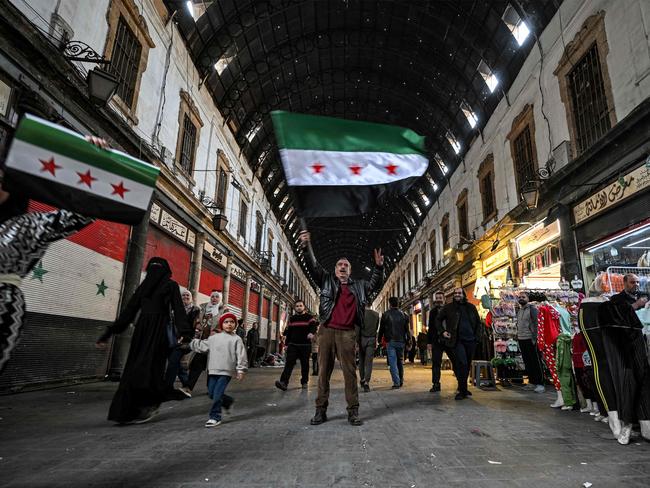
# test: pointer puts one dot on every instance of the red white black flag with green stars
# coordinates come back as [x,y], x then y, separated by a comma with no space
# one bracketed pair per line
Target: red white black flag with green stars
[54,165]
[338,168]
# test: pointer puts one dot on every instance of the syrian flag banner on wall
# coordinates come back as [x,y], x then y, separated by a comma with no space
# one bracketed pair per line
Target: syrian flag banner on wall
[339,168]
[57,166]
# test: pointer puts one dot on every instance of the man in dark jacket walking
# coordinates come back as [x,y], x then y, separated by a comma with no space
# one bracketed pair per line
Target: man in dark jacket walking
[460,327]
[299,333]
[435,342]
[367,345]
[341,310]
[422,347]
[395,328]
[252,341]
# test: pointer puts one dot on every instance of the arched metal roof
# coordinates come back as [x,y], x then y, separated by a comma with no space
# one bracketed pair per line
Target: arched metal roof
[409,63]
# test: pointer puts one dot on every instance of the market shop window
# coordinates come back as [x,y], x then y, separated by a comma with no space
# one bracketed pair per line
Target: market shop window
[127,47]
[523,148]
[190,123]
[221,193]
[243,218]
[444,230]
[585,86]
[461,208]
[259,231]
[486,187]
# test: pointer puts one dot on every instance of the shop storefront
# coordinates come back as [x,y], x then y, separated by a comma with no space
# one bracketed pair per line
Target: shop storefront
[213,272]
[495,273]
[237,290]
[417,323]
[612,230]
[539,257]
[171,239]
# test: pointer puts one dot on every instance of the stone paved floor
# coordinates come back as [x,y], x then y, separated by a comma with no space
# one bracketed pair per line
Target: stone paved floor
[411,438]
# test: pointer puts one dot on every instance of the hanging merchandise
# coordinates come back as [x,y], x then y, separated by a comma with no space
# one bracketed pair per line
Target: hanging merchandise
[507,356]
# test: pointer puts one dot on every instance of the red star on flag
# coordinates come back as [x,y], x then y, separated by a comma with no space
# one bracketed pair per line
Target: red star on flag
[356,169]
[119,189]
[86,178]
[318,168]
[50,166]
[392,169]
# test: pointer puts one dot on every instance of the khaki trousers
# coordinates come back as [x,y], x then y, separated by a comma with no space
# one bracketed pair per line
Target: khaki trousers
[336,344]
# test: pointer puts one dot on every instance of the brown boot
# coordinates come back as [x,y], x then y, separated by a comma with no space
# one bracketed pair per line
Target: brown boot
[319,417]
[353,417]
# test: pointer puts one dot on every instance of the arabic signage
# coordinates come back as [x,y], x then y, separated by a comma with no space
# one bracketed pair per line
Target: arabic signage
[171,225]
[622,189]
[469,277]
[536,237]
[497,259]
[239,273]
[215,254]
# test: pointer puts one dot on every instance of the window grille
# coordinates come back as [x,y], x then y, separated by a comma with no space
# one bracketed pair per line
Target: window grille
[222,188]
[188,145]
[589,102]
[487,195]
[243,216]
[523,158]
[125,61]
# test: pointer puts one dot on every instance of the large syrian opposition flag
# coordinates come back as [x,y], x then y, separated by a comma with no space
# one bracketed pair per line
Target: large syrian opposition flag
[57,166]
[338,168]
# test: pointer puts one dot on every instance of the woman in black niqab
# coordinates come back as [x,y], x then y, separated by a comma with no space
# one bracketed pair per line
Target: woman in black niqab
[142,386]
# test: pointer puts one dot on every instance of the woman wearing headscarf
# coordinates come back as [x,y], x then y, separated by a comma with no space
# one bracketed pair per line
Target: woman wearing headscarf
[155,304]
[24,238]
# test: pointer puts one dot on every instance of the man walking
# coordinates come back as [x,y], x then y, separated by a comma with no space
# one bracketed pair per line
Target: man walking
[341,310]
[460,326]
[395,328]
[434,341]
[299,333]
[527,337]
[252,341]
[367,346]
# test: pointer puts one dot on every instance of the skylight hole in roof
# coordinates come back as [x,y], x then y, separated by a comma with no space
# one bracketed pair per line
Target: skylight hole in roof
[253,132]
[469,114]
[441,164]
[455,145]
[488,76]
[426,200]
[190,7]
[516,25]
[223,63]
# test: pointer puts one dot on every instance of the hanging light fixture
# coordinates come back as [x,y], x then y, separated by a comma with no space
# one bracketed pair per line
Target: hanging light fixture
[530,194]
[101,85]
[219,222]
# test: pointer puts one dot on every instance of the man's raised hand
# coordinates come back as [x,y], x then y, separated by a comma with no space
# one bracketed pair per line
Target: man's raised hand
[379,259]
[304,237]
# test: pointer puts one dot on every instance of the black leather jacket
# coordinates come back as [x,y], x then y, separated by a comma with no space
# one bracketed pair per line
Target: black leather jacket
[449,317]
[330,287]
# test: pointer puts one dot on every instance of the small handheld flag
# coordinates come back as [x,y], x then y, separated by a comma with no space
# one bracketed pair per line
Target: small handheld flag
[339,168]
[57,166]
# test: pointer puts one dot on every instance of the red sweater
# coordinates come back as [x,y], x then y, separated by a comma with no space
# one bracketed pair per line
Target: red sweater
[345,310]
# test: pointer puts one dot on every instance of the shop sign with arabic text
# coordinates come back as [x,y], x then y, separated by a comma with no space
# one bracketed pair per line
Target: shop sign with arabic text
[620,190]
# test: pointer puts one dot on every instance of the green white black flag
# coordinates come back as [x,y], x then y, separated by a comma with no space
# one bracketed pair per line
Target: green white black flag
[57,166]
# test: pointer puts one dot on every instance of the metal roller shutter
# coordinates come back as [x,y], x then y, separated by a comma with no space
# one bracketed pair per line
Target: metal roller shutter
[276,311]
[236,294]
[179,256]
[211,278]
[254,302]
[71,296]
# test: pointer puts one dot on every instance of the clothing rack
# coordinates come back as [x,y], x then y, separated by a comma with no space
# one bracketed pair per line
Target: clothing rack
[615,277]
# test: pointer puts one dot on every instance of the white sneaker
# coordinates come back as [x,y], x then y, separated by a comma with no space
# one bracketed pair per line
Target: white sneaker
[624,438]
[567,407]
[539,389]
[212,423]
[559,402]
[585,410]
[186,391]
[599,417]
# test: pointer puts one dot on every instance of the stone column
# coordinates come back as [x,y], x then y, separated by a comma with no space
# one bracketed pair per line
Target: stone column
[132,275]
[196,263]
[226,281]
[570,266]
[247,297]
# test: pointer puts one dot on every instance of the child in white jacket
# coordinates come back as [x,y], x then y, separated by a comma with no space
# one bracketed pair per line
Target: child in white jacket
[226,358]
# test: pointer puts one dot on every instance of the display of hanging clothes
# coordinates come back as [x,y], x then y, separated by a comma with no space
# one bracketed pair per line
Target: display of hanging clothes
[548,330]
[564,371]
[582,366]
[603,383]
[625,348]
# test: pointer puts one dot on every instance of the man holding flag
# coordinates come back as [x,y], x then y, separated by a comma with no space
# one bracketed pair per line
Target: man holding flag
[342,302]
[341,168]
